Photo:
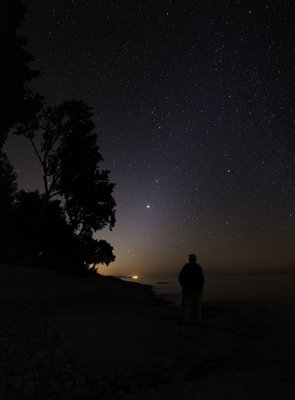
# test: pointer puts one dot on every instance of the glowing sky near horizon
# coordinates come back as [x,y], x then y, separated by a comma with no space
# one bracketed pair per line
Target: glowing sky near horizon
[193,109]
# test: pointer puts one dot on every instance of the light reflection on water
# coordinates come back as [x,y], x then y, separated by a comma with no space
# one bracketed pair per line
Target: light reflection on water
[256,288]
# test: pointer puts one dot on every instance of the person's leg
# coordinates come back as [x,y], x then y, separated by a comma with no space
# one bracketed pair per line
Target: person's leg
[199,307]
[197,304]
[186,304]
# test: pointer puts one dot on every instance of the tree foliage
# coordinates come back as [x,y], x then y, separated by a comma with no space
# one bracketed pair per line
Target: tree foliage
[7,193]
[17,102]
[54,246]
[54,232]
[66,147]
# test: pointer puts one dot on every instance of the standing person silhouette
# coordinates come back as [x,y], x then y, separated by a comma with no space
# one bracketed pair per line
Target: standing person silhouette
[191,278]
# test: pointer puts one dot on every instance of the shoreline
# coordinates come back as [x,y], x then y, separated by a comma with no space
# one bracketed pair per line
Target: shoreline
[67,338]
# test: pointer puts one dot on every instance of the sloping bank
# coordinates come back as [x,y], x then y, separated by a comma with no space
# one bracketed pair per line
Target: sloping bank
[66,337]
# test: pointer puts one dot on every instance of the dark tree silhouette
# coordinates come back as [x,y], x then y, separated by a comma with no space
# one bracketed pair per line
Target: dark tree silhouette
[66,148]
[7,192]
[17,103]
[65,145]
[96,252]
[55,246]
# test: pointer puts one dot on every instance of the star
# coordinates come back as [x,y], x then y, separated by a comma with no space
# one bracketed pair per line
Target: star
[186,117]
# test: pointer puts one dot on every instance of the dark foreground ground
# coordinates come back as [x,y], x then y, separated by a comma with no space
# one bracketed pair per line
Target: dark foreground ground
[84,338]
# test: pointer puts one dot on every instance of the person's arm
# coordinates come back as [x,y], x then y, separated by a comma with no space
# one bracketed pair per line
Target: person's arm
[202,280]
[202,277]
[181,277]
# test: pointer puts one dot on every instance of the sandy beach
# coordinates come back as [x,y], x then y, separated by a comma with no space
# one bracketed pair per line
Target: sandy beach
[66,337]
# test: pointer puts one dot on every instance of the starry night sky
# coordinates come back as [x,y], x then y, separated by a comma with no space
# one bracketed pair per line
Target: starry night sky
[193,110]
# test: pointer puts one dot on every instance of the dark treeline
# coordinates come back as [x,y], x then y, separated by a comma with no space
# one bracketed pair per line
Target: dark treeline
[54,228]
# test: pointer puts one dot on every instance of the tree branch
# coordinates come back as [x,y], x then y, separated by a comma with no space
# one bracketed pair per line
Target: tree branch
[54,194]
[54,179]
[36,151]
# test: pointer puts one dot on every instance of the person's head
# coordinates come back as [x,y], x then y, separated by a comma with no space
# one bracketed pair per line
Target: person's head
[192,258]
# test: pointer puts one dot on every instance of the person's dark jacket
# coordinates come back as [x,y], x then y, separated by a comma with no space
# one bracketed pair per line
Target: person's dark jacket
[191,279]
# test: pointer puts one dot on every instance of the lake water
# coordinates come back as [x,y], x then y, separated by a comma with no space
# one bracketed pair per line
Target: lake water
[254,288]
